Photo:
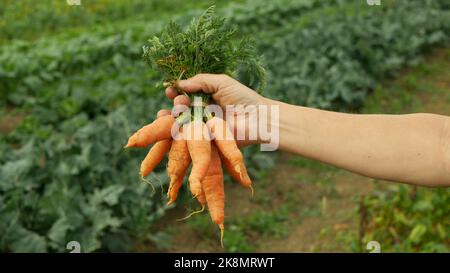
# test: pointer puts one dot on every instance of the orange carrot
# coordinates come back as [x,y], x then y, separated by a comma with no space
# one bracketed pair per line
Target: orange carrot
[154,156]
[239,174]
[231,155]
[179,161]
[157,130]
[201,198]
[199,146]
[213,187]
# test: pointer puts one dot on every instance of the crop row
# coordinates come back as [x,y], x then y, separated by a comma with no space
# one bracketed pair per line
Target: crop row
[29,19]
[419,222]
[25,66]
[333,56]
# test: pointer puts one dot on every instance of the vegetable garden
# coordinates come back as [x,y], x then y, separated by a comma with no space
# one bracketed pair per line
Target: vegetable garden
[77,80]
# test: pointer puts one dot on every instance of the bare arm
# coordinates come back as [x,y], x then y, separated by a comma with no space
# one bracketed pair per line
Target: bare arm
[412,148]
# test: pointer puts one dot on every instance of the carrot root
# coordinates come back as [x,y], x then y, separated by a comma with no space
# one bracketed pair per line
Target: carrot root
[179,161]
[172,178]
[244,177]
[148,182]
[252,190]
[199,146]
[157,130]
[214,190]
[192,213]
[222,231]
[155,156]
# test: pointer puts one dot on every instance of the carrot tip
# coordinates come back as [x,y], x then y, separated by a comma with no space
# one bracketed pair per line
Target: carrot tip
[173,179]
[195,193]
[128,145]
[222,230]
[131,141]
[172,198]
[242,175]
[252,190]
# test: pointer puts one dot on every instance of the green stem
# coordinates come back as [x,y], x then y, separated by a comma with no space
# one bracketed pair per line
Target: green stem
[198,109]
[208,114]
[183,118]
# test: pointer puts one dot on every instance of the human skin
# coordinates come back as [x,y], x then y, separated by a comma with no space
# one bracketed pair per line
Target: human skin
[412,148]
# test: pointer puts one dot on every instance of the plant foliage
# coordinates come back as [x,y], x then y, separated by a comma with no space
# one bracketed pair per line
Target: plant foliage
[205,47]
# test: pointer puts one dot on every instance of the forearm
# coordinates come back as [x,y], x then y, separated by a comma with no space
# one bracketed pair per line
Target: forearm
[403,148]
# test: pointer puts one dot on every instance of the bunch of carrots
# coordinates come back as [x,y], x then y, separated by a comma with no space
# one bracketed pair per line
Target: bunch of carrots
[206,46]
[208,146]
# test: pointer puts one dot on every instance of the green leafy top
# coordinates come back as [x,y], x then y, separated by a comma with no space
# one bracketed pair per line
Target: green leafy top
[206,46]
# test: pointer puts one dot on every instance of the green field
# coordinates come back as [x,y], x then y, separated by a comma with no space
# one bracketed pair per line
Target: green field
[73,86]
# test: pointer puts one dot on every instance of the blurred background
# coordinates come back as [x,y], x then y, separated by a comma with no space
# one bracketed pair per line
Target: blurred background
[73,86]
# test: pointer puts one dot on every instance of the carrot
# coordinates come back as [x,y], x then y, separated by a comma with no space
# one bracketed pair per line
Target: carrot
[154,156]
[179,161]
[201,198]
[157,130]
[241,177]
[231,155]
[199,146]
[213,187]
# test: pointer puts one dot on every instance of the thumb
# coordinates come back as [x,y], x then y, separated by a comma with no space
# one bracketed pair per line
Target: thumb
[208,83]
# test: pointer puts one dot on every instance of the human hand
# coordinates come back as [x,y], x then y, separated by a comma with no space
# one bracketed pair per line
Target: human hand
[225,91]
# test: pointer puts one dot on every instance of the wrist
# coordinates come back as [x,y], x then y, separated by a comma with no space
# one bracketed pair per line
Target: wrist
[268,123]
[285,122]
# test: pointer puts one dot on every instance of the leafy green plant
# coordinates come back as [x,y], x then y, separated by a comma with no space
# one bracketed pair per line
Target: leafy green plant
[407,219]
[205,47]
[333,56]
[29,19]
[27,67]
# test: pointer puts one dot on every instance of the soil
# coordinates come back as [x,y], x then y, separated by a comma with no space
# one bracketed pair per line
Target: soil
[9,120]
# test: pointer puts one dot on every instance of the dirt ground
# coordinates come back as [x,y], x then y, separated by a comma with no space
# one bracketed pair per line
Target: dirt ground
[9,120]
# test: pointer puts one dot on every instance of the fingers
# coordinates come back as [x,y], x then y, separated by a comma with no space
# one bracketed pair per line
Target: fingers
[163,112]
[208,83]
[171,92]
[181,100]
